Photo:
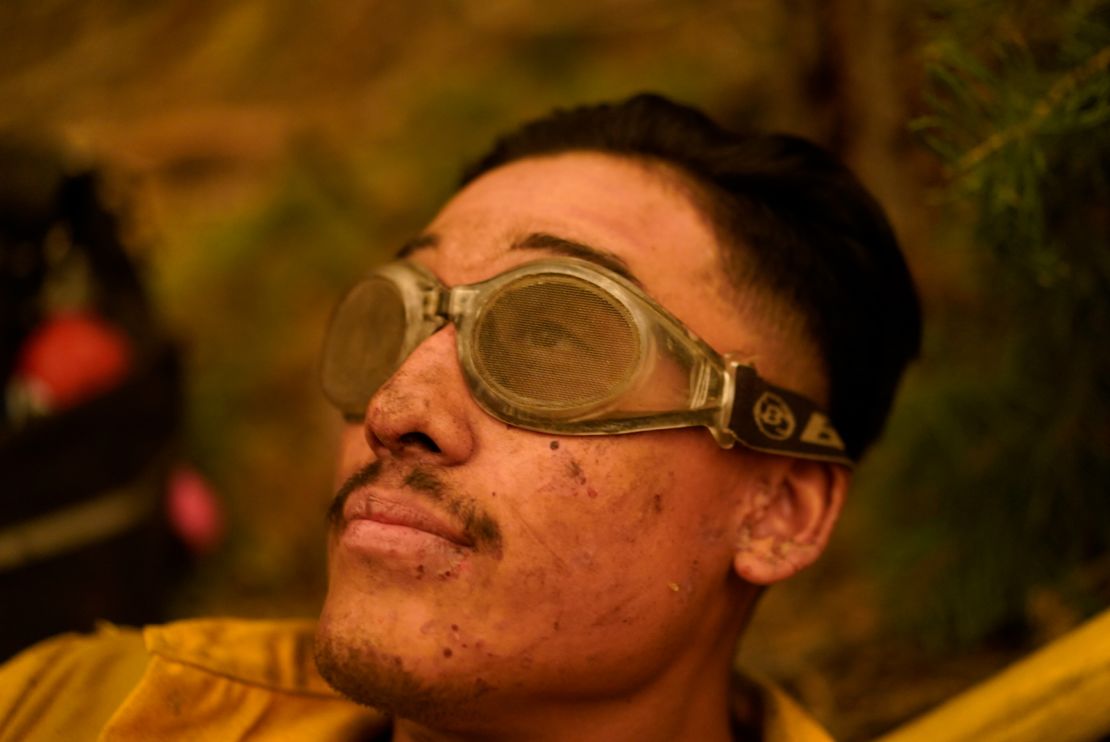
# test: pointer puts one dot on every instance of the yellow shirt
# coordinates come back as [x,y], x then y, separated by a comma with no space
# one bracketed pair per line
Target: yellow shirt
[214,679]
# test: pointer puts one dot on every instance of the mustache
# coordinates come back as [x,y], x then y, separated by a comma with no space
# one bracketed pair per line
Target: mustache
[478,526]
[365,475]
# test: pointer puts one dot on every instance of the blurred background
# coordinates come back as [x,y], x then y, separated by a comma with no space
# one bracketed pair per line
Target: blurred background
[189,185]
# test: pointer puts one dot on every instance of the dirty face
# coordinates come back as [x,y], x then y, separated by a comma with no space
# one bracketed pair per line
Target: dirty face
[471,560]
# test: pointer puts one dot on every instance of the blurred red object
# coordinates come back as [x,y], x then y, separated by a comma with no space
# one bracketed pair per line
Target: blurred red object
[67,359]
[194,511]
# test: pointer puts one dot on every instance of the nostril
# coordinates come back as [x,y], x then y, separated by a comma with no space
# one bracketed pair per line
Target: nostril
[419,439]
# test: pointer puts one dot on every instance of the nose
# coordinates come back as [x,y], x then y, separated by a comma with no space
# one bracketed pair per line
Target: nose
[424,410]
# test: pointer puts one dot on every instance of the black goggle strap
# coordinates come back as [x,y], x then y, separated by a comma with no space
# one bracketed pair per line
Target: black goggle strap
[774,420]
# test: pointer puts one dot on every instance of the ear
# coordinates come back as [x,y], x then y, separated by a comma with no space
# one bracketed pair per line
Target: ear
[785,521]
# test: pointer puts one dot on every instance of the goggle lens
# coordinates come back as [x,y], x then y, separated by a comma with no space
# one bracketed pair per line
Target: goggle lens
[557,344]
[365,343]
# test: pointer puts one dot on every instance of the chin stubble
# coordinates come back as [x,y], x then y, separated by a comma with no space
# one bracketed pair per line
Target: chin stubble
[370,677]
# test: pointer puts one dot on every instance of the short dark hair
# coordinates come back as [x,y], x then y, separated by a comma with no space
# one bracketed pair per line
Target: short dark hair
[800,224]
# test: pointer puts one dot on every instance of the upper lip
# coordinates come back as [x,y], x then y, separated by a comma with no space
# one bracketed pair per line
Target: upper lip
[372,504]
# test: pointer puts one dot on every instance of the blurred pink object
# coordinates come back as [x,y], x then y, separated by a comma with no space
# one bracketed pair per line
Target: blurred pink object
[67,359]
[194,511]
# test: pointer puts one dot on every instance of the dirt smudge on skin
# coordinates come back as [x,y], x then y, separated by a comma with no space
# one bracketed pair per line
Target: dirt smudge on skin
[657,503]
[575,471]
[615,615]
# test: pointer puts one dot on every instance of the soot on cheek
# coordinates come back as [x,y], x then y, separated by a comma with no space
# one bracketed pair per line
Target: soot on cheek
[574,469]
[565,476]
[654,486]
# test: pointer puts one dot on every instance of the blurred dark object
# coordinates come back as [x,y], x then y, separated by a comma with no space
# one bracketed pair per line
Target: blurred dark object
[90,414]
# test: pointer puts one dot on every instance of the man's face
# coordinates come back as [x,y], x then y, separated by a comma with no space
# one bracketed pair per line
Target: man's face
[476,560]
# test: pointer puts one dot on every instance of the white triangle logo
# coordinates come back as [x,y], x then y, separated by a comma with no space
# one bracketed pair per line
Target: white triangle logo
[819,431]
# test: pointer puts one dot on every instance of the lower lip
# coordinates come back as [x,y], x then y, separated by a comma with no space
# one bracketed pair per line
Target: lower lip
[391,540]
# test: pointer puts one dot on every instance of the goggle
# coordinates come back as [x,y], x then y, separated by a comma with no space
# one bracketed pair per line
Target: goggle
[567,347]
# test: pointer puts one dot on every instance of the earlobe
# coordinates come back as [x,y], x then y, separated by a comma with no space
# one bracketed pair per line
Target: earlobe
[786,521]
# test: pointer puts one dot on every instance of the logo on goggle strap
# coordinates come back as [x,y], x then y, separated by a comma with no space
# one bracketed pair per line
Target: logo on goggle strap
[773,417]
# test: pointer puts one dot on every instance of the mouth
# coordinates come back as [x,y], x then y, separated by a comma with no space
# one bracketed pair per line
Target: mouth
[370,506]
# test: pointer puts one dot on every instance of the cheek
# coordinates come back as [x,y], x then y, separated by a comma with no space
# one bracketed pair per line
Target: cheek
[608,507]
[618,548]
[593,488]
[663,514]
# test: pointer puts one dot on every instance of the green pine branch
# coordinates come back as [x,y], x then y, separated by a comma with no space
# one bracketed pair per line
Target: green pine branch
[1069,85]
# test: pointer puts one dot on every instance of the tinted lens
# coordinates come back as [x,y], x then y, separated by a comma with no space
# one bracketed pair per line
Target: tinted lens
[556,343]
[364,344]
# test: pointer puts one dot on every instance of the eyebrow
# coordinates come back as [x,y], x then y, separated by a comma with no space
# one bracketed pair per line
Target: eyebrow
[572,249]
[541,241]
